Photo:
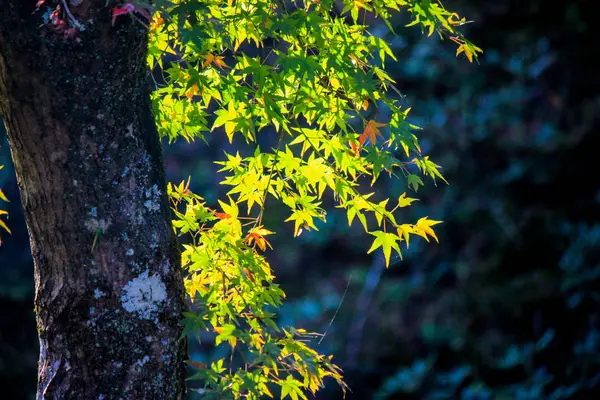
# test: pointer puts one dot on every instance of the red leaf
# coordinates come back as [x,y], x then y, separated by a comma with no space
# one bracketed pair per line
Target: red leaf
[118,11]
[39,3]
[355,148]
[222,215]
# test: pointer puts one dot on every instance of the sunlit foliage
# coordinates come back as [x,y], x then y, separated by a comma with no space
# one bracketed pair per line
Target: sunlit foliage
[314,74]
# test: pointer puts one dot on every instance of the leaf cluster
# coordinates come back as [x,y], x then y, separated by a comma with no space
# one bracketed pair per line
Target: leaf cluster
[315,75]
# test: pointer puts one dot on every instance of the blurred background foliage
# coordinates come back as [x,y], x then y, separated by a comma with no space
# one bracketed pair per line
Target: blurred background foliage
[507,305]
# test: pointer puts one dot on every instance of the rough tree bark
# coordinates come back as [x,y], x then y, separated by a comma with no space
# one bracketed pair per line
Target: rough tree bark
[109,290]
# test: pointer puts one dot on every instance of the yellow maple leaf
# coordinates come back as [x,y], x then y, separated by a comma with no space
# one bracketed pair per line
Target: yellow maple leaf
[455,19]
[404,201]
[423,228]
[404,232]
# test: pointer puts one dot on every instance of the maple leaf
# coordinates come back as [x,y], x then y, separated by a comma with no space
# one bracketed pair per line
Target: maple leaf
[371,132]
[249,275]
[423,228]
[156,22]
[191,92]
[256,235]
[221,215]
[403,231]
[387,241]
[355,148]
[457,21]
[212,59]
[365,104]
[404,201]
[463,49]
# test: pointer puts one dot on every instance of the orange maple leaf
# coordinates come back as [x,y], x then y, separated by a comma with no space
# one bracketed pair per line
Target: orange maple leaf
[371,132]
[355,148]
[191,92]
[365,104]
[249,275]
[221,215]
[256,235]
[217,60]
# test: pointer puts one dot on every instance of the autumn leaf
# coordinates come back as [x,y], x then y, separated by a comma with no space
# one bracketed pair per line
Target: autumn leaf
[256,235]
[365,104]
[191,92]
[457,21]
[371,132]
[423,228]
[249,275]
[156,22]
[3,196]
[355,148]
[118,11]
[212,59]
[463,49]
[404,232]
[221,215]
[361,4]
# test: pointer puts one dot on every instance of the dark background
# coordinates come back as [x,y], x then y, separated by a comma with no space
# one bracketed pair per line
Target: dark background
[507,305]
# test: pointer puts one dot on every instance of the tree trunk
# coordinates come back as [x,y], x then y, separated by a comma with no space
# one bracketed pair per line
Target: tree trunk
[109,292]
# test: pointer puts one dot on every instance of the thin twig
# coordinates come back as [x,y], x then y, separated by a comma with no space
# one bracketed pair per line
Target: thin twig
[336,311]
[71,17]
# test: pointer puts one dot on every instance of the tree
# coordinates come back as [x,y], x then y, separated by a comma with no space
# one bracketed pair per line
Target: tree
[109,292]
[75,98]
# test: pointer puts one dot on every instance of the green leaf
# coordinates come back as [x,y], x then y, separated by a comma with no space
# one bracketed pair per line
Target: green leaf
[414,181]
